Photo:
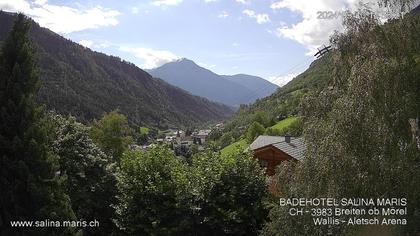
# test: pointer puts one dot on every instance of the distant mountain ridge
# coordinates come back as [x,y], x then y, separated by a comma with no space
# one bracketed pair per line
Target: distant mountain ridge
[84,83]
[229,90]
[261,87]
[285,102]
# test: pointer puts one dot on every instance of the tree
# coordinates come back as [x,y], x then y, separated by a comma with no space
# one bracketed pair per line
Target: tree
[263,118]
[112,133]
[357,131]
[225,139]
[253,131]
[30,186]
[89,174]
[211,195]
[143,135]
[228,194]
[150,199]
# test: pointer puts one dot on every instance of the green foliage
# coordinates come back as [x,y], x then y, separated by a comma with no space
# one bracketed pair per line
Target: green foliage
[263,118]
[89,173]
[150,199]
[83,83]
[284,123]
[228,194]
[213,195]
[30,187]
[226,139]
[112,133]
[186,151]
[215,134]
[253,131]
[234,147]
[291,126]
[144,130]
[285,102]
[357,132]
[143,135]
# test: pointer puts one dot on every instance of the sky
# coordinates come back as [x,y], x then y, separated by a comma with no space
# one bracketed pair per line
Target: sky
[273,39]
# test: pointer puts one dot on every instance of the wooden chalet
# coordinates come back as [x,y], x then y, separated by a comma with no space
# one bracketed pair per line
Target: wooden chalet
[272,150]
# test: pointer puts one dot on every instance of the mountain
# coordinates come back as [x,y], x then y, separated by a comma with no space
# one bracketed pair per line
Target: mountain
[84,83]
[258,85]
[199,81]
[285,101]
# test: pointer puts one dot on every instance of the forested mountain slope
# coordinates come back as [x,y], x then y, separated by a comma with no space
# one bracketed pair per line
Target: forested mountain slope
[286,100]
[84,83]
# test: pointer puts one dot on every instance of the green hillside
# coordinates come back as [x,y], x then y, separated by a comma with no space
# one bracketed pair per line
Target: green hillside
[85,84]
[278,128]
[285,102]
[281,125]
[238,145]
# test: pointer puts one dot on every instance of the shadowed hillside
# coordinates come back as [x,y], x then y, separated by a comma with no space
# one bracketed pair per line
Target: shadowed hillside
[84,83]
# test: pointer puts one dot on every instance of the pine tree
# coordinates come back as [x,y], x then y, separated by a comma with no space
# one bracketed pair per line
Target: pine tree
[30,188]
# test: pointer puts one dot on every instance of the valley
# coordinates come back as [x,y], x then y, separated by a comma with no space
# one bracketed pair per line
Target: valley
[178,149]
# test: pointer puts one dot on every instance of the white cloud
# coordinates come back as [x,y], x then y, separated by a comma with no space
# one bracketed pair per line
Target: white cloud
[63,19]
[85,43]
[152,58]
[101,45]
[310,30]
[135,10]
[91,44]
[166,2]
[282,80]
[40,2]
[223,14]
[15,5]
[243,1]
[261,18]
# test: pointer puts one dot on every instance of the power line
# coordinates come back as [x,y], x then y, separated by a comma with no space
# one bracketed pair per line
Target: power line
[254,96]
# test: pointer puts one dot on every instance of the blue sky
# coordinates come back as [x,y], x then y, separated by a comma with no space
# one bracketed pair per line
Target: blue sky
[274,39]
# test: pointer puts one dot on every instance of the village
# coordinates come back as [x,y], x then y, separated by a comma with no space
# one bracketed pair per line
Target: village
[175,137]
[270,150]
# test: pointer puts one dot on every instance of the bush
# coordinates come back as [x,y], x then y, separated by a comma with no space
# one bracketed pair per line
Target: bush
[213,195]
[253,131]
[89,173]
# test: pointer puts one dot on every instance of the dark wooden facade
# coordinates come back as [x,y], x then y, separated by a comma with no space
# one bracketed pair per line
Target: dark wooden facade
[270,157]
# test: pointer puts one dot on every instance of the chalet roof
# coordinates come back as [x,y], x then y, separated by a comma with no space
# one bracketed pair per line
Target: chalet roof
[264,140]
[295,148]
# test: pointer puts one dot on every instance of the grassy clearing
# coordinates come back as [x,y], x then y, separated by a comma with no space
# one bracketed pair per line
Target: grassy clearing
[144,130]
[241,145]
[284,123]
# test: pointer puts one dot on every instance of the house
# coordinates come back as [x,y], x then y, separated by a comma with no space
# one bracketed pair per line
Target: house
[219,126]
[202,135]
[185,140]
[170,139]
[272,150]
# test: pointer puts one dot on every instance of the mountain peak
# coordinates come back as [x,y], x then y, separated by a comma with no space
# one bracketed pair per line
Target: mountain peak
[185,61]
[188,75]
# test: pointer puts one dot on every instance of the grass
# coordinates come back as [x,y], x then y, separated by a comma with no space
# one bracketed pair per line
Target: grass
[284,123]
[241,145]
[144,130]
